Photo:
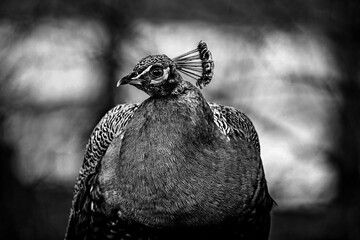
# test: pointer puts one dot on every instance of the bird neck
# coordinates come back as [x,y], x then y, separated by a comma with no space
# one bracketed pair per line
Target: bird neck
[184,107]
[183,112]
[166,131]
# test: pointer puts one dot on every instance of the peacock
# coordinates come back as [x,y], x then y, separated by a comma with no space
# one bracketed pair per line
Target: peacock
[173,166]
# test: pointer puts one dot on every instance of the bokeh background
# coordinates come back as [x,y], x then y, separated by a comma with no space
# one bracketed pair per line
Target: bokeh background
[292,66]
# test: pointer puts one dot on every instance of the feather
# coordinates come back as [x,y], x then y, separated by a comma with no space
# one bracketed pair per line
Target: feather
[197,64]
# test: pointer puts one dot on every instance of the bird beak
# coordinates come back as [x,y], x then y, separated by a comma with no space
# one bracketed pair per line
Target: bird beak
[129,79]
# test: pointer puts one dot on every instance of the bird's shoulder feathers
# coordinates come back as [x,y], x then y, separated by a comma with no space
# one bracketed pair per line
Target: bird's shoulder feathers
[109,127]
[234,123]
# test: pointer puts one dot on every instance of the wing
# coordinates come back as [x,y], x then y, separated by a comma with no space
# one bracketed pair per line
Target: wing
[232,122]
[110,126]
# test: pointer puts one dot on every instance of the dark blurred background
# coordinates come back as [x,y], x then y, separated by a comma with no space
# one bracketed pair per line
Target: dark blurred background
[292,66]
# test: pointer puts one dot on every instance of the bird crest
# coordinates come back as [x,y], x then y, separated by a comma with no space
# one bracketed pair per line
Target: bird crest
[197,64]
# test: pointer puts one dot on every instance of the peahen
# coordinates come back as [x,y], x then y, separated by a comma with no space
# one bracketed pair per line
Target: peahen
[173,166]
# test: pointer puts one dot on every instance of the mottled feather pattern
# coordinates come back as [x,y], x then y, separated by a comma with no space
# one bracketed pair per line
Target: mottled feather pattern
[109,126]
[233,122]
[229,120]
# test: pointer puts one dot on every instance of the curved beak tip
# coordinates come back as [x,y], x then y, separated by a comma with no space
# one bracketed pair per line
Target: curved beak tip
[119,83]
[124,80]
[129,79]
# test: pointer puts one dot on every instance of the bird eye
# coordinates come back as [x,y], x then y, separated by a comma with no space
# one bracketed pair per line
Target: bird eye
[157,71]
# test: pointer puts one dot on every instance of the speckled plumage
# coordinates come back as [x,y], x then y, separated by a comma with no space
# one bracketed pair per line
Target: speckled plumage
[232,121]
[109,127]
[172,167]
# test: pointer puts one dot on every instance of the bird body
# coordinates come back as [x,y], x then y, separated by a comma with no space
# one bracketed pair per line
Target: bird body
[172,167]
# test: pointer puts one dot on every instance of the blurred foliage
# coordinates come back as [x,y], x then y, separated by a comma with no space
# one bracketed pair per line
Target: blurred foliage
[39,209]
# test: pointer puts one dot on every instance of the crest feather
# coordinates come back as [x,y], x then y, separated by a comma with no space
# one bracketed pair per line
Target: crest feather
[197,64]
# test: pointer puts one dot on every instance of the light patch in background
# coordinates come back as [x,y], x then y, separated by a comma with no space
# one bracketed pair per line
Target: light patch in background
[53,83]
[52,63]
[271,76]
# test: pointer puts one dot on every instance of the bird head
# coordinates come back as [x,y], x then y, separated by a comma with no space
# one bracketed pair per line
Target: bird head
[154,74]
[158,75]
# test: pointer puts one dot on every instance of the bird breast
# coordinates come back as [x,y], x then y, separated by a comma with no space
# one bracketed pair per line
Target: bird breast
[171,165]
